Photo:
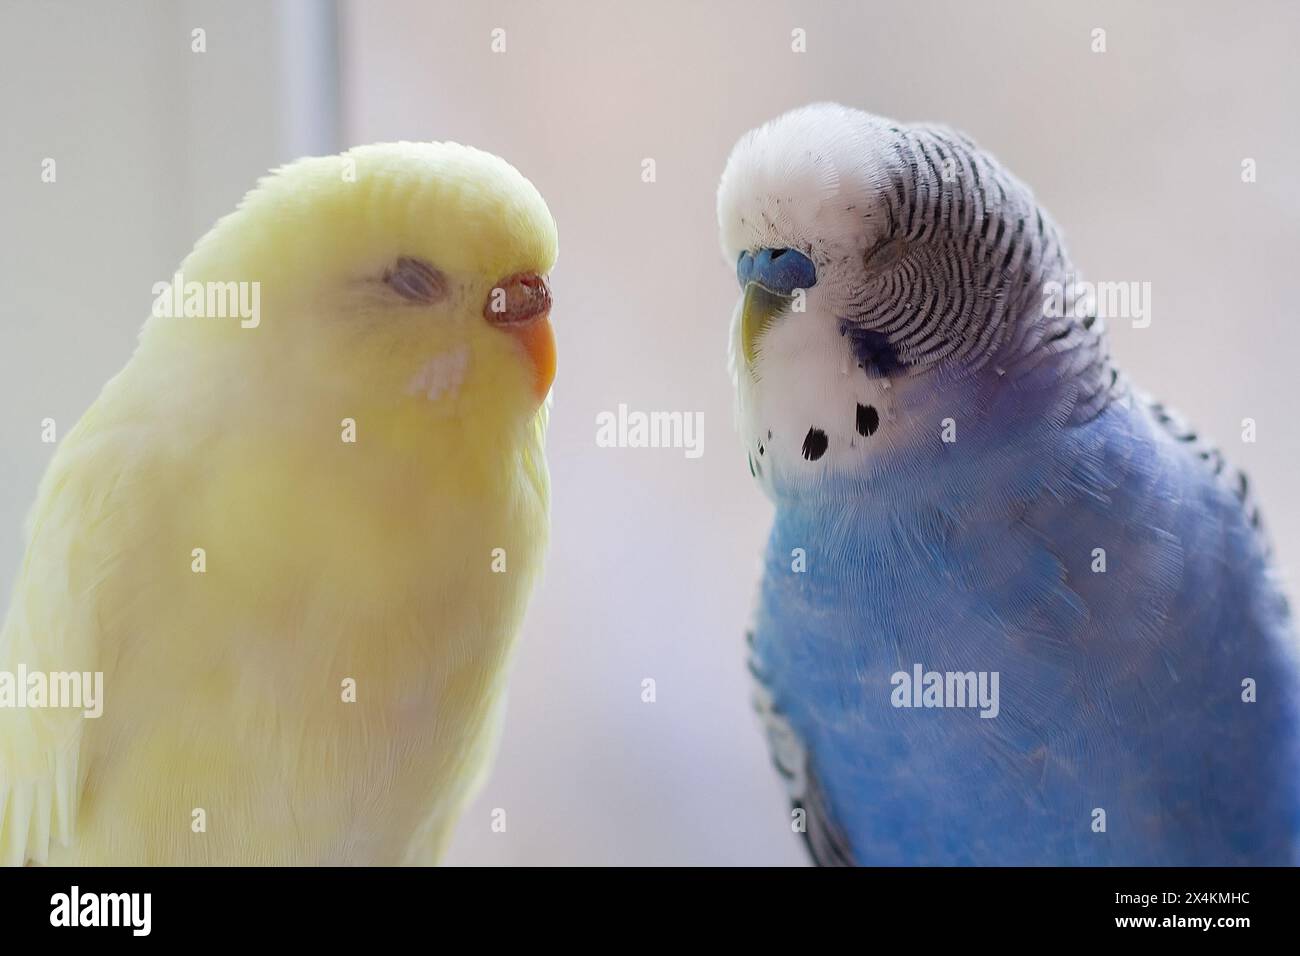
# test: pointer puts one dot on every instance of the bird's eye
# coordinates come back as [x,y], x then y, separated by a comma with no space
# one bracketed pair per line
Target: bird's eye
[416,280]
[884,254]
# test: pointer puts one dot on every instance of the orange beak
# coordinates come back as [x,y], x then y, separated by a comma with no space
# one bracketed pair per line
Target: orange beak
[521,306]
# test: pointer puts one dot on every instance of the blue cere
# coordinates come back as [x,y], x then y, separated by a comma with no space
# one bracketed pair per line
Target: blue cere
[779,270]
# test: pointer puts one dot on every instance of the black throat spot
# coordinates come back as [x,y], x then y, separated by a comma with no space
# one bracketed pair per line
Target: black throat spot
[868,420]
[815,443]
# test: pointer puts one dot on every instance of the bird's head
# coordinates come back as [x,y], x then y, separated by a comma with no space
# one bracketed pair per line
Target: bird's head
[883,269]
[403,285]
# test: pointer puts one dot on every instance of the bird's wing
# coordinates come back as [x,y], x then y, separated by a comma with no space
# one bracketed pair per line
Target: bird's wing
[39,745]
[53,628]
[430,841]
[39,780]
[1207,453]
[826,842]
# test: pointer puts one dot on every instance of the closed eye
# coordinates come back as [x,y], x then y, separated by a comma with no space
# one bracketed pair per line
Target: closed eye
[416,280]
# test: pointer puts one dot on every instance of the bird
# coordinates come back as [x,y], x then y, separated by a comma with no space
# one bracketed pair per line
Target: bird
[296,535]
[1013,610]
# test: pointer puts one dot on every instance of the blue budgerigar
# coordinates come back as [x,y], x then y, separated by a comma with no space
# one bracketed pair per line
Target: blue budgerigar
[1012,611]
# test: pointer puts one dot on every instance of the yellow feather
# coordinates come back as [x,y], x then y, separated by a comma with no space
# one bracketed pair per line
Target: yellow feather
[326,560]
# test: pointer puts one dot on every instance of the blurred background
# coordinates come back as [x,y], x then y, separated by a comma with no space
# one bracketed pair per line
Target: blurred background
[1137,151]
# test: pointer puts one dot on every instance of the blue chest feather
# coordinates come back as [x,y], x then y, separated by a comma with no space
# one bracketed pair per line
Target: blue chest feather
[1126,607]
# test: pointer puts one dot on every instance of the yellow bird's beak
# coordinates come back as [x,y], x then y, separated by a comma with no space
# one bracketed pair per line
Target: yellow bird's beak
[758,311]
[771,279]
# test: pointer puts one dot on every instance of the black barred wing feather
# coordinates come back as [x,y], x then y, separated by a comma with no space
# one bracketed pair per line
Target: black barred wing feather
[826,842]
[1233,478]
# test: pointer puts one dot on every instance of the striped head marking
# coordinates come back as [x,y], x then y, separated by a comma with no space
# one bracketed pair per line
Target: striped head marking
[877,262]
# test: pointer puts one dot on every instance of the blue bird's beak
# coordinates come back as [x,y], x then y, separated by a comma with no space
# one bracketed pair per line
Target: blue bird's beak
[771,279]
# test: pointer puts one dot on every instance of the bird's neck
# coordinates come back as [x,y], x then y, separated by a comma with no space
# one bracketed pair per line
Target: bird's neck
[1057,348]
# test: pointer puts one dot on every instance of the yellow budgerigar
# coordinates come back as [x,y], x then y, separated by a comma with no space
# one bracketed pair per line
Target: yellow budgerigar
[293,540]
